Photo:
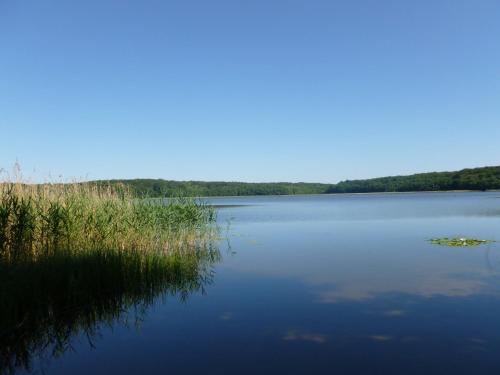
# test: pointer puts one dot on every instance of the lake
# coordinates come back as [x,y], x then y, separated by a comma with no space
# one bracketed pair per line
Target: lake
[345,284]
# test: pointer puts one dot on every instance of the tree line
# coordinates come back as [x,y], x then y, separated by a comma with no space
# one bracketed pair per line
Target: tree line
[167,188]
[485,178]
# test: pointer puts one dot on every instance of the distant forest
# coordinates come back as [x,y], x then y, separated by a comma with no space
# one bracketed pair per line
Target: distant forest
[166,188]
[486,178]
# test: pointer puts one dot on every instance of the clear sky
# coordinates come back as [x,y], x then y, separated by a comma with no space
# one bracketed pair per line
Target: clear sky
[261,90]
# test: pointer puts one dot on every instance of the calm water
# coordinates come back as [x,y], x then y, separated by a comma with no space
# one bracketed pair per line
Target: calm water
[324,284]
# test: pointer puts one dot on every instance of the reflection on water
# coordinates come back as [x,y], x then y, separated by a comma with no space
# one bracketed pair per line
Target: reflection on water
[361,207]
[358,246]
[47,303]
[317,284]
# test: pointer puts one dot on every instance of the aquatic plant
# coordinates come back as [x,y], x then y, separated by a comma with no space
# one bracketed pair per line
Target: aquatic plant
[73,256]
[39,220]
[459,242]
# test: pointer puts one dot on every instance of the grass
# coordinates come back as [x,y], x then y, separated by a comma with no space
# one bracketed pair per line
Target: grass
[459,242]
[75,256]
[40,220]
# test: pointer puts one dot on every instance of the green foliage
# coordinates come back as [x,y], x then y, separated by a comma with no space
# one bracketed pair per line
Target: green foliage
[76,255]
[165,188]
[38,220]
[467,179]
[458,242]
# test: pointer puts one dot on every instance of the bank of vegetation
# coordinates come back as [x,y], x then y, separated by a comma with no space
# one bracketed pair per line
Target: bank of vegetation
[486,178]
[73,256]
[467,179]
[167,188]
[41,220]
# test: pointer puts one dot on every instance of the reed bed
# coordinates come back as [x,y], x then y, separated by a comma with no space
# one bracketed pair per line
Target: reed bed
[76,256]
[44,219]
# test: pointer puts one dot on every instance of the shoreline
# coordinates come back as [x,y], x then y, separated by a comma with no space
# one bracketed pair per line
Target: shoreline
[340,194]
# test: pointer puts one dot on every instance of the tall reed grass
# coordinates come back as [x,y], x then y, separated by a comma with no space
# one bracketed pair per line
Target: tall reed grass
[74,256]
[43,219]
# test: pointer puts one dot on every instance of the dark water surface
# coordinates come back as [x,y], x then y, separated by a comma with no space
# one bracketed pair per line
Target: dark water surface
[320,285]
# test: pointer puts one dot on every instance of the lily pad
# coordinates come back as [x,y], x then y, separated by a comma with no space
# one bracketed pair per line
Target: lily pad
[459,242]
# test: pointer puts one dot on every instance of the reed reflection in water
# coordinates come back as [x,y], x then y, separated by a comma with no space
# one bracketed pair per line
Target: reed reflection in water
[48,302]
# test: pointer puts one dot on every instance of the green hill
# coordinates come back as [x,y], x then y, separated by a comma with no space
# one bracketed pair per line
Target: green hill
[486,178]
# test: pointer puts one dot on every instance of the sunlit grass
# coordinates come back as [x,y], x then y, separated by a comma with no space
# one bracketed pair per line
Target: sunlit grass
[37,220]
[75,256]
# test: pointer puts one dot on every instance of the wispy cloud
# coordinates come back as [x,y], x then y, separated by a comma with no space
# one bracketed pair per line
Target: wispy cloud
[381,338]
[226,315]
[294,335]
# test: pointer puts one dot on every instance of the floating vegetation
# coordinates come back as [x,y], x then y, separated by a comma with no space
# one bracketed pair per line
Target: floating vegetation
[459,242]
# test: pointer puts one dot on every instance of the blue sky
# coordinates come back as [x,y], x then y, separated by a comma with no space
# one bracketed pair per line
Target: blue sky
[256,90]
